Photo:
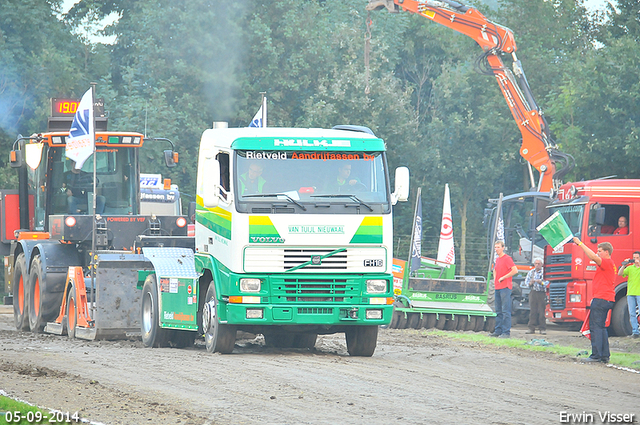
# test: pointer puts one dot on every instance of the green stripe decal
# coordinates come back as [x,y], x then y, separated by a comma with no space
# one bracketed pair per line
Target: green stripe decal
[215,219]
[262,230]
[370,231]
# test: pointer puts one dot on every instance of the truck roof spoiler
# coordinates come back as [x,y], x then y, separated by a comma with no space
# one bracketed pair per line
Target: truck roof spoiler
[358,128]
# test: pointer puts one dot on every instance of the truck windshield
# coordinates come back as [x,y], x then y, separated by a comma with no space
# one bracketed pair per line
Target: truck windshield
[116,184]
[572,215]
[312,182]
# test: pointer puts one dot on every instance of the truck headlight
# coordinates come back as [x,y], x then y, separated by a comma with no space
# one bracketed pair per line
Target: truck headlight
[250,285]
[575,298]
[376,286]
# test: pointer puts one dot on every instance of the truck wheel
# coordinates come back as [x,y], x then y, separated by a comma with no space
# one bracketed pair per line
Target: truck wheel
[152,334]
[43,305]
[72,313]
[361,340]
[218,337]
[620,323]
[21,294]
[305,340]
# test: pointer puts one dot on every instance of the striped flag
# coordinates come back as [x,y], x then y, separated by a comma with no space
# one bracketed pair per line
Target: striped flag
[555,230]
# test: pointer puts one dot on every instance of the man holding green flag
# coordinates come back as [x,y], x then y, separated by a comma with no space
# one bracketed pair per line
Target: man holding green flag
[603,299]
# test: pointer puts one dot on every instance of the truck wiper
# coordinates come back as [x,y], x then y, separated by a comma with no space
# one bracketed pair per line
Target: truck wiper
[352,197]
[272,195]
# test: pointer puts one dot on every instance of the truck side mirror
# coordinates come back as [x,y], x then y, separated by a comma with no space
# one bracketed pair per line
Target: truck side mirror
[170,158]
[191,212]
[16,159]
[210,183]
[401,192]
[600,216]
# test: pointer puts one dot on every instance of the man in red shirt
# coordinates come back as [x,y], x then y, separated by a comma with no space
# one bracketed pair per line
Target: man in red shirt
[603,299]
[503,271]
[623,226]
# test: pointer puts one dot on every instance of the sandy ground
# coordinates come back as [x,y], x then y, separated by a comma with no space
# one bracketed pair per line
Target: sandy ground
[413,378]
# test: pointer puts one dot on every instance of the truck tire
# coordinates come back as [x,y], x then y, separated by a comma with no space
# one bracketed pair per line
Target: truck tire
[361,340]
[72,313]
[152,334]
[44,305]
[218,337]
[620,323]
[21,294]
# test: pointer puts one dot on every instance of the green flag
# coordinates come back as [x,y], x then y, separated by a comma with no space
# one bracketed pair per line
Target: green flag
[555,230]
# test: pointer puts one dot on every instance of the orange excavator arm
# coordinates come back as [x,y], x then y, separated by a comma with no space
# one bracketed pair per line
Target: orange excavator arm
[537,147]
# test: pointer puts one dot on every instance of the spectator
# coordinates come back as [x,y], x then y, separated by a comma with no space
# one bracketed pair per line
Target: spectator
[503,271]
[537,297]
[631,270]
[603,299]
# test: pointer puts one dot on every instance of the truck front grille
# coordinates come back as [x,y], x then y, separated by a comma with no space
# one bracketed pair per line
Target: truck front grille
[298,290]
[558,267]
[557,295]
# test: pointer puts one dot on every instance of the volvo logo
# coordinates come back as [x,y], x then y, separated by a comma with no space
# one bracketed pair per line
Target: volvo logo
[316,260]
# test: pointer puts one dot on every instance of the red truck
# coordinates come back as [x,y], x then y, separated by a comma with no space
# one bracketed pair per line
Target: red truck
[592,209]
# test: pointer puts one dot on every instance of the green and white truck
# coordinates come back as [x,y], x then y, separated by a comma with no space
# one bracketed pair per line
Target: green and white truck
[293,239]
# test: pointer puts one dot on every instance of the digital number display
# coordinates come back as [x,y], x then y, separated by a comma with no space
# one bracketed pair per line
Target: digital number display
[63,107]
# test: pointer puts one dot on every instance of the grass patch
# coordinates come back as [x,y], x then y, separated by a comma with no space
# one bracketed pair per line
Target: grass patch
[19,413]
[629,360]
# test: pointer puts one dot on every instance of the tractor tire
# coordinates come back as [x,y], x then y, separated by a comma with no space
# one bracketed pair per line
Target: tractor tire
[361,340]
[153,335]
[218,337]
[71,314]
[305,340]
[44,305]
[21,294]
[620,323]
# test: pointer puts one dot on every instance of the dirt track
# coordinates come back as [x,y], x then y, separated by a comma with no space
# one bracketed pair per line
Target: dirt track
[413,378]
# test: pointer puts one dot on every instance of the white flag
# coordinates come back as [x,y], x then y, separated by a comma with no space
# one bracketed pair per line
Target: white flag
[260,118]
[446,249]
[82,137]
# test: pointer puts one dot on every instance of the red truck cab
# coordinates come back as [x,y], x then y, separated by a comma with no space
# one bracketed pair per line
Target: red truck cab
[592,210]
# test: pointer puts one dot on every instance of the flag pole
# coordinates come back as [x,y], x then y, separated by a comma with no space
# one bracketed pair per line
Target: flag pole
[264,108]
[95,186]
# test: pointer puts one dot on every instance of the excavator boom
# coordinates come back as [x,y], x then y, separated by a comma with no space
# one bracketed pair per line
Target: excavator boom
[495,40]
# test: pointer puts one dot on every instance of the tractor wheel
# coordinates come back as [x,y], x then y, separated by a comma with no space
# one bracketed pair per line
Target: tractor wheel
[620,323]
[21,294]
[218,337]
[361,340]
[152,334]
[72,313]
[44,305]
